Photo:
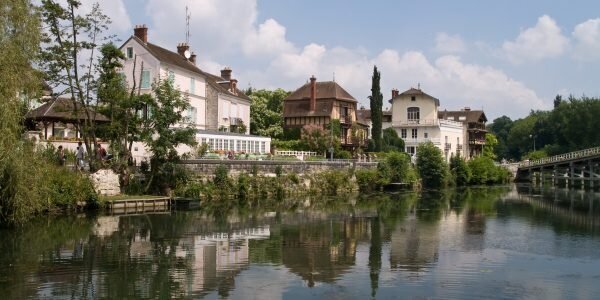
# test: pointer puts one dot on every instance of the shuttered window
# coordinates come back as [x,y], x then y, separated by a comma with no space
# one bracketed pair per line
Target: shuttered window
[145,79]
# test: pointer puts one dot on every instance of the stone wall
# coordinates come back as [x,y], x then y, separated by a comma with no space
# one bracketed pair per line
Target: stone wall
[206,167]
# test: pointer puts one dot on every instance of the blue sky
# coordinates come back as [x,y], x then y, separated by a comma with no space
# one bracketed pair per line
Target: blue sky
[506,57]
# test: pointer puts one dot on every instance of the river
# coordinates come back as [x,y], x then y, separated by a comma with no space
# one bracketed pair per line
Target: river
[489,242]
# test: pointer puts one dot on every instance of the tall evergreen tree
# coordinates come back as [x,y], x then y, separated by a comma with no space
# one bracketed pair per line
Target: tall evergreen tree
[376,102]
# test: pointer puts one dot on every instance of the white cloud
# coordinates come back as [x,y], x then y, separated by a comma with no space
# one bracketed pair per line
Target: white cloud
[587,40]
[115,9]
[221,29]
[445,43]
[544,40]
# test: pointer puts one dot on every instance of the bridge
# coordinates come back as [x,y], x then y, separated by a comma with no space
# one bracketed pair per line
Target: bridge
[579,168]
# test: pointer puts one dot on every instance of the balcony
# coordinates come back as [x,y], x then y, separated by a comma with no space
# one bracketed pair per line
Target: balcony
[410,141]
[447,146]
[346,119]
[426,122]
[459,147]
[477,127]
[235,121]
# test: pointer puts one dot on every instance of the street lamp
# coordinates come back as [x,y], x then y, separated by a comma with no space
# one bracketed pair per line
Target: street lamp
[533,136]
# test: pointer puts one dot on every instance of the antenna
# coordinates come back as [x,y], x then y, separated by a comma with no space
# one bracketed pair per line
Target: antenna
[187,25]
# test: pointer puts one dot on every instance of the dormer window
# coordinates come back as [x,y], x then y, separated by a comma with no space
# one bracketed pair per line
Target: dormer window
[129,52]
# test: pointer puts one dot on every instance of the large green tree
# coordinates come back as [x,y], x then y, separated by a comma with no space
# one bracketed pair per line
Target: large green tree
[376,104]
[500,127]
[391,141]
[163,132]
[266,112]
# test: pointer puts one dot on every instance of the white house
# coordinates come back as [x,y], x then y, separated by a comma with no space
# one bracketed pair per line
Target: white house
[415,117]
[217,105]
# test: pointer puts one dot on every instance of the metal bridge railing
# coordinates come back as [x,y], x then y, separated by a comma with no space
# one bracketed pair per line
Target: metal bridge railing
[561,157]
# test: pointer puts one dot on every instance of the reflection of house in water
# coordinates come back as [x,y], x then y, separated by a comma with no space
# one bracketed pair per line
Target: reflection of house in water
[474,236]
[322,252]
[414,245]
[212,260]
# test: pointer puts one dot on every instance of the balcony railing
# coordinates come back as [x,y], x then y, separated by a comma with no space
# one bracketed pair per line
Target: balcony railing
[235,121]
[477,126]
[411,141]
[447,146]
[477,141]
[427,122]
[345,119]
[459,147]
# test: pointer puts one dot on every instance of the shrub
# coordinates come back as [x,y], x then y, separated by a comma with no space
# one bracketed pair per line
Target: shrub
[331,182]
[367,179]
[461,173]
[431,166]
[343,154]
[221,179]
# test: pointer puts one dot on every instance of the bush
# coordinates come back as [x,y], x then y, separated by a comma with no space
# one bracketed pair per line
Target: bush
[461,173]
[331,182]
[221,179]
[431,166]
[367,179]
[484,171]
[343,154]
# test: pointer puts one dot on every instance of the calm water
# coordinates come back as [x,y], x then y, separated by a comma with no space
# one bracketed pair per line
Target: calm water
[500,242]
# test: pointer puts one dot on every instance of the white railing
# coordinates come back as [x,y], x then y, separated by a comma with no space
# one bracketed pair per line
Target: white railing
[295,153]
[427,122]
[561,157]
[436,141]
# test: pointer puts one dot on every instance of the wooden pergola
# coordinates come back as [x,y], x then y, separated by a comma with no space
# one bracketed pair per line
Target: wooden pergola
[61,110]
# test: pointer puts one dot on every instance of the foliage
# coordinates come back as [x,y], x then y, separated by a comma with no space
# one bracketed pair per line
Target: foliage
[202,149]
[431,166]
[358,136]
[318,139]
[484,171]
[460,171]
[400,169]
[266,112]
[162,137]
[533,155]
[297,145]
[490,145]
[500,127]
[391,141]
[331,182]
[376,105]
[69,59]
[343,154]
[221,179]
[368,180]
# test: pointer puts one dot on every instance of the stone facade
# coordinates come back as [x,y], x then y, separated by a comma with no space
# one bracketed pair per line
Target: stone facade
[212,109]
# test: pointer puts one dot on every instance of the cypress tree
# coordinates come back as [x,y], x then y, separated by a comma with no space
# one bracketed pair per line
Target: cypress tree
[376,102]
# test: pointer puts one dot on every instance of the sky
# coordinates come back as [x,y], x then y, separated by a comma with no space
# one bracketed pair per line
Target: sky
[505,57]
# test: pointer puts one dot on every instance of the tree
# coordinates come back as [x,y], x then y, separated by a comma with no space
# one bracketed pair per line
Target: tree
[431,166]
[163,132]
[376,104]
[266,112]
[460,170]
[318,139]
[501,127]
[391,141]
[69,38]
[490,146]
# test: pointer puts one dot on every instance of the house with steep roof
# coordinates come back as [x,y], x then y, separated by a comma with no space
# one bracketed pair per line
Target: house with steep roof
[415,118]
[216,104]
[318,103]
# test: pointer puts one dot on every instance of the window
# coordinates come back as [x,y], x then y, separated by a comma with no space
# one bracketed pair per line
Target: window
[458,141]
[426,135]
[413,98]
[262,147]
[171,76]
[145,79]
[410,150]
[462,118]
[192,85]
[191,115]
[446,138]
[414,133]
[403,133]
[413,113]
[129,52]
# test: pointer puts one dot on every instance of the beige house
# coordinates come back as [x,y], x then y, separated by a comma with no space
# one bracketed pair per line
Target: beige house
[416,119]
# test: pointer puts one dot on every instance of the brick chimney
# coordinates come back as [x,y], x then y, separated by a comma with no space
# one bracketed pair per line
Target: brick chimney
[395,93]
[193,58]
[313,93]
[226,73]
[181,48]
[233,86]
[141,32]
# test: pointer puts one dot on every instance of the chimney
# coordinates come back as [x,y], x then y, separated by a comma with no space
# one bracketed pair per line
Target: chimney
[141,32]
[233,86]
[395,93]
[193,58]
[313,93]
[181,48]
[467,108]
[226,73]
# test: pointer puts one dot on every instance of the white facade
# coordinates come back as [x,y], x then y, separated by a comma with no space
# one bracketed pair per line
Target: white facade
[415,118]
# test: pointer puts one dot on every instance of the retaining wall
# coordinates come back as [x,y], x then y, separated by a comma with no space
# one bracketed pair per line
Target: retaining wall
[206,167]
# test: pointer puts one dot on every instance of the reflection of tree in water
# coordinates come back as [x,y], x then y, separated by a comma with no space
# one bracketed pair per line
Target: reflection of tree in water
[375,255]
[322,251]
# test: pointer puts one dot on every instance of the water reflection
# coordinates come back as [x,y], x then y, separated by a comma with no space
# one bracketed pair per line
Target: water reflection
[487,242]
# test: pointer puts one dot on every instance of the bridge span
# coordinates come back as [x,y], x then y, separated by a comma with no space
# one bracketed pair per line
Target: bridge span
[579,168]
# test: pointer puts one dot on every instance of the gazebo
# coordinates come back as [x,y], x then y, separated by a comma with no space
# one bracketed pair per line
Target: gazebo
[62,111]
